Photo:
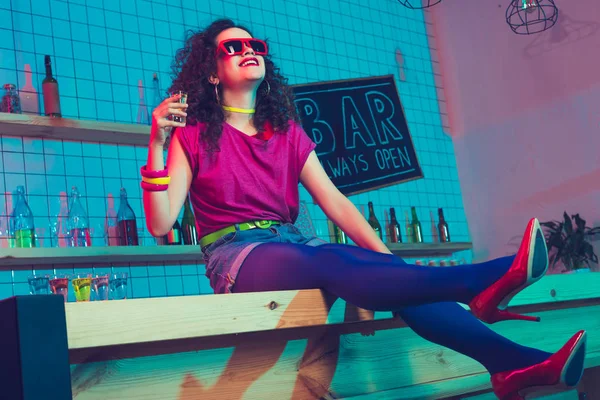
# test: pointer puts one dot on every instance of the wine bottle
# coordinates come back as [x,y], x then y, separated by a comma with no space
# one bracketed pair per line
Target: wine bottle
[128,235]
[443,230]
[50,92]
[173,237]
[188,225]
[22,221]
[339,235]
[111,224]
[415,224]
[374,222]
[28,94]
[79,223]
[394,234]
[409,230]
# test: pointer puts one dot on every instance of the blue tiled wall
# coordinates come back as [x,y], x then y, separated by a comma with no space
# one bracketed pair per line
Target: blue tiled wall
[105,54]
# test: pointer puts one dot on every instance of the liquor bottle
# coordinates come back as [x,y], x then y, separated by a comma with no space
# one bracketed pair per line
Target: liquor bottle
[50,92]
[28,94]
[339,235]
[417,231]
[128,235]
[79,223]
[22,222]
[409,230]
[435,237]
[394,233]
[111,224]
[374,222]
[174,236]
[443,230]
[188,225]
[58,227]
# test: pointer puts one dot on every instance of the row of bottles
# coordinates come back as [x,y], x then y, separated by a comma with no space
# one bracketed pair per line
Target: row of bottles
[184,232]
[121,229]
[413,229]
[26,100]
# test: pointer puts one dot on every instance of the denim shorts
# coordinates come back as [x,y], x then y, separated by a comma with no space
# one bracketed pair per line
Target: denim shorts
[225,256]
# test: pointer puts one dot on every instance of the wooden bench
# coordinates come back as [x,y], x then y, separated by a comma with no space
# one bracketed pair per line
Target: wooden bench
[282,345]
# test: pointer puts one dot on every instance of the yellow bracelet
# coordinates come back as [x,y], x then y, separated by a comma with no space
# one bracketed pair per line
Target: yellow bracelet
[157,181]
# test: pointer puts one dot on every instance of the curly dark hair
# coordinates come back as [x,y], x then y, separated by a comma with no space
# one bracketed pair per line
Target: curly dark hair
[196,62]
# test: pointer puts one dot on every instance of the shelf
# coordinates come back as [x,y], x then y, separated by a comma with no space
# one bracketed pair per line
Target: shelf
[428,249]
[73,129]
[106,255]
[11,258]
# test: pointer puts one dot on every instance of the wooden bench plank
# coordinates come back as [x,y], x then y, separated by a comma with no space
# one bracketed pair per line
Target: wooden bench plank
[156,319]
[395,363]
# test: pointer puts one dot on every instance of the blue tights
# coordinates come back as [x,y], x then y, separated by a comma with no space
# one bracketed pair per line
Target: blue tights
[424,297]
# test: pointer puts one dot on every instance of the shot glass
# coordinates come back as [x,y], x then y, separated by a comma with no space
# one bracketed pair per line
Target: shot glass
[100,287]
[59,284]
[39,284]
[82,285]
[183,100]
[117,284]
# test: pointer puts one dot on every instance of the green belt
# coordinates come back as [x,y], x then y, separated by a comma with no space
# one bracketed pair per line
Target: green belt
[213,237]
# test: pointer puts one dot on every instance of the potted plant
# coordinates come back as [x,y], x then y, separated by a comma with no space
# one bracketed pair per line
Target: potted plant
[569,240]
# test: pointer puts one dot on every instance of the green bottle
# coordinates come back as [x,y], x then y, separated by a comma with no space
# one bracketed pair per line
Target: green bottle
[374,222]
[188,225]
[415,225]
[339,235]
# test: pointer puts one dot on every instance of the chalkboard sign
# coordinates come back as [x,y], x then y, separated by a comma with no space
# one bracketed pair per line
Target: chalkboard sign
[361,133]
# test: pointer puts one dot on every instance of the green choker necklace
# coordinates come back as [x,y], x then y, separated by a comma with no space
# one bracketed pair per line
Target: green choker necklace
[239,110]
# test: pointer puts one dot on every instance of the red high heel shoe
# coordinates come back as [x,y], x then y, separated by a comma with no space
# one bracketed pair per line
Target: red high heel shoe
[529,266]
[561,371]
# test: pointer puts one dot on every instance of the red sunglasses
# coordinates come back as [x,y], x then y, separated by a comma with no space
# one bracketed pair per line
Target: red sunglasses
[233,47]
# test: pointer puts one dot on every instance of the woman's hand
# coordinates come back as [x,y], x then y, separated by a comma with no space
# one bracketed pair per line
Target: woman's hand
[162,122]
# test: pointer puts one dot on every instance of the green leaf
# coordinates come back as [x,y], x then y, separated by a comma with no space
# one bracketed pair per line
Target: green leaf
[579,222]
[568,224]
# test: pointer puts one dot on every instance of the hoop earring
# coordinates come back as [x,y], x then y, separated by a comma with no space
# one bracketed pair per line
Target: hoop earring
[268,88]
[217,93]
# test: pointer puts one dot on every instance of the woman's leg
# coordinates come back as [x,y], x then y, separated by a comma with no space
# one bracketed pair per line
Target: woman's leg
[383,282]
[367,279]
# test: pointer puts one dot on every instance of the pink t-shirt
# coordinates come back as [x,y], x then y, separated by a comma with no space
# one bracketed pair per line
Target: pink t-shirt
[248,179]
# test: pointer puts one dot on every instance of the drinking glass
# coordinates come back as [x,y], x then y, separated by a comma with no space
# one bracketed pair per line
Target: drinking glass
[59,284]
[39,284]
[117,284]
[82,285]
[183,100]
[100,287]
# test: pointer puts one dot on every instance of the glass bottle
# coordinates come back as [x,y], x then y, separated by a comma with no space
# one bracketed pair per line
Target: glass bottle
[22,225]
[28,94]
[443,230]
[111,224]
[374,222]
[417,231]
[409,230]
[128,235]
[394,234]
[10,101]
[188,225]
[339,235]
[79,223]
[50,92]
[59,229]
[173,238]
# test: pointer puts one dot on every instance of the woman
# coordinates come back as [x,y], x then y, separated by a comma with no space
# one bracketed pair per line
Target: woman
[241,154]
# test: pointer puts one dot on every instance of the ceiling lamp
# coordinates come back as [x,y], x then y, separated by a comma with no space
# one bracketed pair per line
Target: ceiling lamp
[415,4]
[526,17]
